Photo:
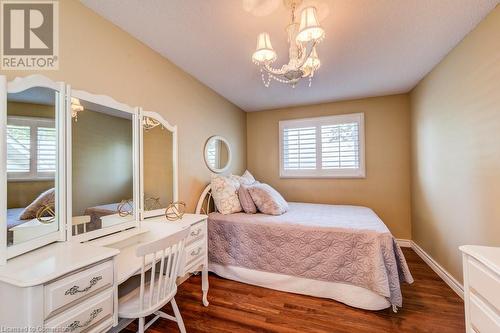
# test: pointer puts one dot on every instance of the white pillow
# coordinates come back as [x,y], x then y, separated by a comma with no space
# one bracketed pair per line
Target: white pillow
[245,179]
[225,194]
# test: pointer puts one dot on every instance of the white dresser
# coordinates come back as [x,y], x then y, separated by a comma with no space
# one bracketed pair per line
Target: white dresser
[61,285]
[481,288]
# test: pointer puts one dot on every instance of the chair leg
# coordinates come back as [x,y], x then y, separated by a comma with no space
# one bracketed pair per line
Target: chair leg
[141,325]
[178,316]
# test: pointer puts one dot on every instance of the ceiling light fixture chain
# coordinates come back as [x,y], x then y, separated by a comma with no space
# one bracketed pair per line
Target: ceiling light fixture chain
[303,57]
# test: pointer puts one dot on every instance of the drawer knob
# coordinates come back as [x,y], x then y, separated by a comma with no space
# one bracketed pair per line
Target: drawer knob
[195,253]
[194,234]
[77,324]
[76,289]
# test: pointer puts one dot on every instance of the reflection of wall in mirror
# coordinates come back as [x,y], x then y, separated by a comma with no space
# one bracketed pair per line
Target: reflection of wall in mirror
[223,154]
[217,153]
[158,165]
[102,169]
[22,193]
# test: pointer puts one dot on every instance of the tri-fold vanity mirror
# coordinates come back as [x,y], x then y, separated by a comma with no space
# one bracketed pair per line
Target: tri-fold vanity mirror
[76,165]
[158,162]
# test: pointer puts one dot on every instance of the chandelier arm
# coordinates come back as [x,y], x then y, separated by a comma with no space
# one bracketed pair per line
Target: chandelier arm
[305,55]
[274,71]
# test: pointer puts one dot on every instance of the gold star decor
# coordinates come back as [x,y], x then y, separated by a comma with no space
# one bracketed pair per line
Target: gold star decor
[125,207]
[46,214]
[175,211]
[152,203]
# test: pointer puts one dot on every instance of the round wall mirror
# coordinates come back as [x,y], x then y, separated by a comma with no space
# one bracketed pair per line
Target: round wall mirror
[217,154]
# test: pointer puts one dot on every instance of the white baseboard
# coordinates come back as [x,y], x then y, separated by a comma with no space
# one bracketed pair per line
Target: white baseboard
[404,242]
[443,273]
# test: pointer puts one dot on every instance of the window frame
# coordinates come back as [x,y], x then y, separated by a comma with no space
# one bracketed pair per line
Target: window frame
[318,122]
[34,123]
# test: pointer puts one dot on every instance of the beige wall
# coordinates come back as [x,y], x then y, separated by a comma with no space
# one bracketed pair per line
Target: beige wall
[456,149]
[98,57]
[30,110]
[386,188]
[102,168]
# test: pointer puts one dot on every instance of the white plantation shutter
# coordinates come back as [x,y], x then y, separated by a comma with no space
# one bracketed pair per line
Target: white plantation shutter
[31,148]
[46,149]
[330,146]
[299,148]
[18,149]
[340,146]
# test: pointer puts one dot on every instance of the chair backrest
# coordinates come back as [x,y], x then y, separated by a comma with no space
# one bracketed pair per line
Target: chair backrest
[166,254]
[78,220]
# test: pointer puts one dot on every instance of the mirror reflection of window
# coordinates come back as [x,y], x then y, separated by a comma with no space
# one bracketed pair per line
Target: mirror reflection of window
[31,165]
[217,153]
[102,168]
[31,148]
[212,153]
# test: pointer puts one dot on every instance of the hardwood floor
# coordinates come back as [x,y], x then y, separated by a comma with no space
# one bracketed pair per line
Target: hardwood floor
[429,305]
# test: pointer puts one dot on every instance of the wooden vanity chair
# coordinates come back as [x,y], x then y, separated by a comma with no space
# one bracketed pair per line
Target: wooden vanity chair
[160,287]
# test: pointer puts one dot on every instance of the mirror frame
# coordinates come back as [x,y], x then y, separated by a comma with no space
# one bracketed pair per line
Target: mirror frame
[110,103]
[172,128]
[229,153]
[15,86]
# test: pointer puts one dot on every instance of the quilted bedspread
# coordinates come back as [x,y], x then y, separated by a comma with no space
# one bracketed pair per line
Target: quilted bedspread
[346,244]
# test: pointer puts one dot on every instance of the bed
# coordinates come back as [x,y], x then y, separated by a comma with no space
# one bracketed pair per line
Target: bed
[97,212]
[13,220]
[100,216]
[345,253]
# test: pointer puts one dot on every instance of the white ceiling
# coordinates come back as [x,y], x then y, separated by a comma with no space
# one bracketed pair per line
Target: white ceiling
[372,47]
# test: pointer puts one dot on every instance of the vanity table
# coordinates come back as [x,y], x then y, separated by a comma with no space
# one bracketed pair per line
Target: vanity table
[195,253]
[100,175]
[74,285]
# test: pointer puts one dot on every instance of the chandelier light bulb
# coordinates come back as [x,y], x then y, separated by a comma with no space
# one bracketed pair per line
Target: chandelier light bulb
[310,29]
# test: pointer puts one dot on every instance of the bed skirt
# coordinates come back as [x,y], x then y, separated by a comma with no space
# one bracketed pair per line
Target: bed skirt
[351,295]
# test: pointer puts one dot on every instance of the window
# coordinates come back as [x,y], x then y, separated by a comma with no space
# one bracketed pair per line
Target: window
[323,147]
[31,148]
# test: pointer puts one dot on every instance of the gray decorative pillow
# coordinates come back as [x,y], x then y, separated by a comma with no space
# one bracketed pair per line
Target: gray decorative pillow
[47,198]
[246,200]
[267,199]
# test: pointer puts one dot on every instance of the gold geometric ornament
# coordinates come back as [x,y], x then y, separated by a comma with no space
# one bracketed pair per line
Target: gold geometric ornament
[175,211]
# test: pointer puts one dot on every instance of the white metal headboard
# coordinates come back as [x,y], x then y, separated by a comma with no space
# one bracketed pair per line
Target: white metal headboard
[205,203]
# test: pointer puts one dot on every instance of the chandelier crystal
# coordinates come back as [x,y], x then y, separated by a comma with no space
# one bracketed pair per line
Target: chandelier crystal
[303,57]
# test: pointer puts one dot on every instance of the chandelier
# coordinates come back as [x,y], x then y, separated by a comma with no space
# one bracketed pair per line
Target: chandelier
[303,57]
[76,107]
[149,123]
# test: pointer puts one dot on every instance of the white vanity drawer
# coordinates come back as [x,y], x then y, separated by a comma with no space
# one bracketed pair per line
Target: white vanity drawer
[197,231]
[482,318]
[77,286]
[485,283]
[194,251]
[84,316]
[103,326]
